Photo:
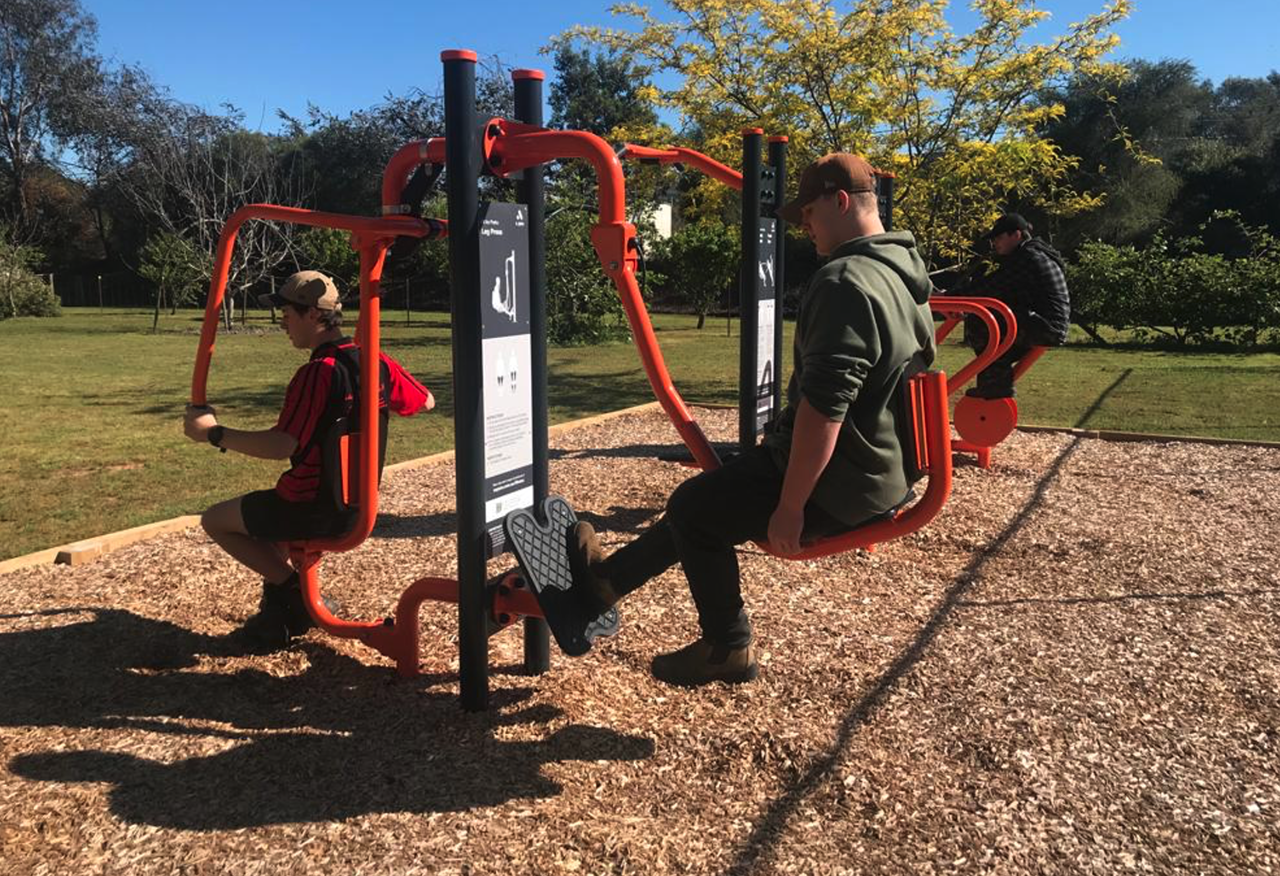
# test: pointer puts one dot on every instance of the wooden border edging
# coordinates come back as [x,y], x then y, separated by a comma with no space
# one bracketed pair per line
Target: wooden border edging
[1106,435]
[88,549]
[79,552]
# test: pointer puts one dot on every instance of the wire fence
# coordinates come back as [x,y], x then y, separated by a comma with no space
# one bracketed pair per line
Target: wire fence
[127,289]
[116,289]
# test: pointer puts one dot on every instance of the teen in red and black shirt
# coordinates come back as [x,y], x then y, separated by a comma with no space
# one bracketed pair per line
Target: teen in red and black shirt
[251,527]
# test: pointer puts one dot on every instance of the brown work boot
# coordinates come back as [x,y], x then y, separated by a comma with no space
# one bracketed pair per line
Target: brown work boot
[585,563]
[704,662]
[268,629]
[282,616]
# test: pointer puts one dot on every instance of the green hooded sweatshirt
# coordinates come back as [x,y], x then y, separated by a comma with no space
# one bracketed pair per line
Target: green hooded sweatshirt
[864,322]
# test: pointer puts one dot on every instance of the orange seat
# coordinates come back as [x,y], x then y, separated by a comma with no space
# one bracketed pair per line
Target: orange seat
[926,399]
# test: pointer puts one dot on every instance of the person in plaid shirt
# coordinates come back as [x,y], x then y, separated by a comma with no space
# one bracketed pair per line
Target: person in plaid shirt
[1031,281]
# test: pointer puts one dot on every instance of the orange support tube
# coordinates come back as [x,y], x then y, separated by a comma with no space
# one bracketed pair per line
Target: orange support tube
[404,163]
[613,238]
[369,339]
[680,155]
[1033,355]
[371,237]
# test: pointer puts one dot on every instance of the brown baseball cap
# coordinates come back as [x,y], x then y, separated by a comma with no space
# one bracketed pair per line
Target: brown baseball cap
[307,288]
[839,171]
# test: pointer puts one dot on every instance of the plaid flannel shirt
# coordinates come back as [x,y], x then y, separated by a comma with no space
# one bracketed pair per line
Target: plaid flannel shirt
[1031,281]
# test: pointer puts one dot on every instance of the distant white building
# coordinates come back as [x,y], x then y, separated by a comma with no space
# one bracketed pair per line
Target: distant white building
[662,219]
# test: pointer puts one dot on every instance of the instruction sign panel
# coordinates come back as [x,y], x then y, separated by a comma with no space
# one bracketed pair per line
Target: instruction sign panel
[766,298]
[506,349]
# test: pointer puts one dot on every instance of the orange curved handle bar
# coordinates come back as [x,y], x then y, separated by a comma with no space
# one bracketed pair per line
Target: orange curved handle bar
[401,165]
[996,344]
[372,237]
[613,238]
[389,228]
[999,306]
[680,155]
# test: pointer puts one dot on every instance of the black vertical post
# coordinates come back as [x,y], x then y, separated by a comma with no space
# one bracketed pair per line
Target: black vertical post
[462,162]
[748,309]
[778,158]
[884,199]
[528,87]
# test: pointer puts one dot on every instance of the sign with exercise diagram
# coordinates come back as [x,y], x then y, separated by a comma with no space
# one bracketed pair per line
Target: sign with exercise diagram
[766,311]
[505,345]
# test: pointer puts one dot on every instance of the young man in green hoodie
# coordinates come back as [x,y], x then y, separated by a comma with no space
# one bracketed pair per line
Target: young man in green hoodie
[835,458]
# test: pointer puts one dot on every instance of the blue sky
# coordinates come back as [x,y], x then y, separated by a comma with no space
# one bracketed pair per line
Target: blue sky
[266,54]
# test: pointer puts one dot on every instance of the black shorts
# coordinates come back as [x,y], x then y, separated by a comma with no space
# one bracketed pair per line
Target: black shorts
[270,517]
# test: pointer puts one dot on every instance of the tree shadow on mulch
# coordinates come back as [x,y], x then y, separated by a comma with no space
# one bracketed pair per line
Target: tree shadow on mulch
[661,452]
[755,853]
[414,525]
[341,739]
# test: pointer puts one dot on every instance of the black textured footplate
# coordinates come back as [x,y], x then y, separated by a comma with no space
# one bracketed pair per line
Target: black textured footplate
[542,548]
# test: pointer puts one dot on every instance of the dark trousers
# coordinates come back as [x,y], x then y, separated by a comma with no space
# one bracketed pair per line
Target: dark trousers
[997,378]
[706,517]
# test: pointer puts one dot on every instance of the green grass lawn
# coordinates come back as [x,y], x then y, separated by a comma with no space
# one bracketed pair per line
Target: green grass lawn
[92,405]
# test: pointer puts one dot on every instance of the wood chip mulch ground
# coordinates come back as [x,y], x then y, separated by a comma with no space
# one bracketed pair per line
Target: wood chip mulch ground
[1075,669]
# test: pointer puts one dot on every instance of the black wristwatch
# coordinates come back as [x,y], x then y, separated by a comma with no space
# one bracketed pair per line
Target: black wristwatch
[215,437]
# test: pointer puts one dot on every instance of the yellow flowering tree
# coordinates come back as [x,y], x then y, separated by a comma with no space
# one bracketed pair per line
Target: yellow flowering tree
[954,115]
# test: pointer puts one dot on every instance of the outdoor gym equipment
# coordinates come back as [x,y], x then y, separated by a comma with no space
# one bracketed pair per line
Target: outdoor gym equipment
[762,271]
[983,423]
[501,459]
[484,606]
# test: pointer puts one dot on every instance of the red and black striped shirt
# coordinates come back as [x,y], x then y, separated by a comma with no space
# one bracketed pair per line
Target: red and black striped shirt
[317,396]
[310,405]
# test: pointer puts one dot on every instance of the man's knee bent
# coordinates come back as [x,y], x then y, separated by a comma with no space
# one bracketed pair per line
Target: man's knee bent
[682,503]
[225,517]
[694,504]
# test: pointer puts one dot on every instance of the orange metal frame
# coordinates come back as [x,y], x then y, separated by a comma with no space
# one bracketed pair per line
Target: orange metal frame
[510,147]
[396,639]
[955,310]
[680,155]
[614,241]
[1000,415]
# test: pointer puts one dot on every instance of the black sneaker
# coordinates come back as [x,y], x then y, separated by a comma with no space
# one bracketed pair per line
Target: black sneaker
[282,616]
[297,616]
[268,629]
[989,392]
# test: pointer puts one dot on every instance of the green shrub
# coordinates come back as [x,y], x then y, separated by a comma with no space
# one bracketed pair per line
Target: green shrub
[329,250]
[28,296]
[1174,291]
[701,262]
[582,302]
[1104,283]
[22,292]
